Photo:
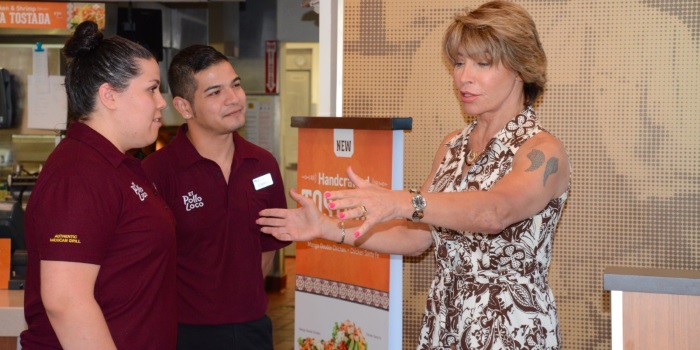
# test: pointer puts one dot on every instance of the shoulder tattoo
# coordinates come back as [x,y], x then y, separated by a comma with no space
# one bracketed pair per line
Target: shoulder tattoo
[537,158]
[551,168]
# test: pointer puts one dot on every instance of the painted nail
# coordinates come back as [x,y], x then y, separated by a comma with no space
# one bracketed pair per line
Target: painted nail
[341,215]
[356,234]
[327,194]
[331,205]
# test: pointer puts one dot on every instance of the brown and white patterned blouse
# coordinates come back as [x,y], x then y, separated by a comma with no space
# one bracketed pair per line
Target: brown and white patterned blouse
[491,291]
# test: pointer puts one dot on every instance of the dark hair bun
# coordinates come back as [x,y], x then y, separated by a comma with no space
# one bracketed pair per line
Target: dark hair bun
[85,39]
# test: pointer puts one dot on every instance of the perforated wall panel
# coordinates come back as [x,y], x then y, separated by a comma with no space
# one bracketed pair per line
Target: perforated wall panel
[622,95]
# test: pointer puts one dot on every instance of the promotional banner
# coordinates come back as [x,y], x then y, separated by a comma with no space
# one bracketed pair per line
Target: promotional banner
[50,15]
[342,292]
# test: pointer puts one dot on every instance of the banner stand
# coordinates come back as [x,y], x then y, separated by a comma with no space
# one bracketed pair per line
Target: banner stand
[347,297]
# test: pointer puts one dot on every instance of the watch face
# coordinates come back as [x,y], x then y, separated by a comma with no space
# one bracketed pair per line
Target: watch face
[419,202]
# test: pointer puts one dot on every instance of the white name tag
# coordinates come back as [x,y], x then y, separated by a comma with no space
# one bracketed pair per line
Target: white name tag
[262,181]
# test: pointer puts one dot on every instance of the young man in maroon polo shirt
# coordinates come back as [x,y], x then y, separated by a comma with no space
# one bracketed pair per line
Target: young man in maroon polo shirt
[216,182]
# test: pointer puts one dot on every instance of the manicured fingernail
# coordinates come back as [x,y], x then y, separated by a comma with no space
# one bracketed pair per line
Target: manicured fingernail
[356,234]
[341,215]
[331,205]
[327,194]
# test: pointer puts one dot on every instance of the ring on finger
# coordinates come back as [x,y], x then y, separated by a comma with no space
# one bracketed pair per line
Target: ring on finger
[364,212]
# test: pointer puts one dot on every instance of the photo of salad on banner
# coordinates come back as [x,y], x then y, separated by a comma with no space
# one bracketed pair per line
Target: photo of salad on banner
[80,12]
[346,336]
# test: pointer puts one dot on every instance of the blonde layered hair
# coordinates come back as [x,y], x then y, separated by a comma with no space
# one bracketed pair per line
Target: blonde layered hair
[500,32]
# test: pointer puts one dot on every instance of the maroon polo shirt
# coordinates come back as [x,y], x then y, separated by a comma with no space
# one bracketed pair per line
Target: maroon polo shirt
[219,245]
[93,204]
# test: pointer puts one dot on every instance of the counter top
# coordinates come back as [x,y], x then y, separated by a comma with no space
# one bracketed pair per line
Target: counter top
[11,313]
[647,280]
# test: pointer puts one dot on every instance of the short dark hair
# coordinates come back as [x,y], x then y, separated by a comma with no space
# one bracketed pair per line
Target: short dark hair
[93,61]
[188,62]
[502,32]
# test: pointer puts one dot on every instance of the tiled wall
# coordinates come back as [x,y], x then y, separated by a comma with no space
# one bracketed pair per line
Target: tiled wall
[624,81]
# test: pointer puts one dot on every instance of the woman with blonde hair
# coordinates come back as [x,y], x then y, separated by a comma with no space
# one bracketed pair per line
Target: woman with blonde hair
[489,206]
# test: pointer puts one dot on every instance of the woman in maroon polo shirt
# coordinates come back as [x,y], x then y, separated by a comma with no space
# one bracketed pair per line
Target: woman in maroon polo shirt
[101,242]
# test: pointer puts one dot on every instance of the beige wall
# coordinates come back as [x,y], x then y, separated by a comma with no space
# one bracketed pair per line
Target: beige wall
[623,92]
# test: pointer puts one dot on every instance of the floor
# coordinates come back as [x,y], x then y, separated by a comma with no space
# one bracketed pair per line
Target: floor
[281,310]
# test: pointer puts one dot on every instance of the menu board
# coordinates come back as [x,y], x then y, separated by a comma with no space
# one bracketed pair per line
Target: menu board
[50,15]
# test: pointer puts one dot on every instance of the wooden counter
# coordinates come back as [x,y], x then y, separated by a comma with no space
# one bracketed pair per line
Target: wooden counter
[653,308]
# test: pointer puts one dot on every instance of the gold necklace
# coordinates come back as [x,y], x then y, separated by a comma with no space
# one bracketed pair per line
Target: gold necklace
[472,156]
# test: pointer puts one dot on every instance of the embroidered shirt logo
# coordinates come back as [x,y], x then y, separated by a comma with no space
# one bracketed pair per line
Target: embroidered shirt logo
[192,201]
[62,238]
[139,191]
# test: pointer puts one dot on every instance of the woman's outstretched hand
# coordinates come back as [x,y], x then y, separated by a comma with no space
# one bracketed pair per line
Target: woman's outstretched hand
[300,224]
[368,202]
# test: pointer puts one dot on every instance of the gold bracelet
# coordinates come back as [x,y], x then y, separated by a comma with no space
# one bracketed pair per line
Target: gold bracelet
[342,232]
